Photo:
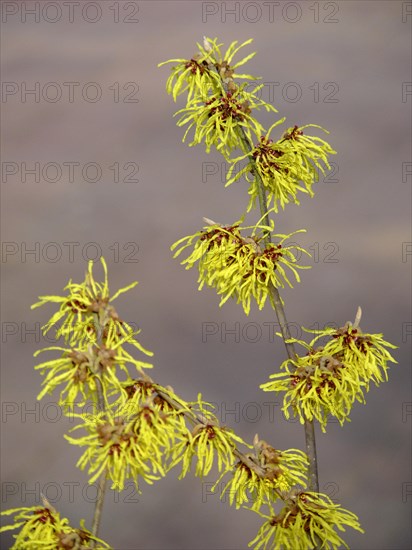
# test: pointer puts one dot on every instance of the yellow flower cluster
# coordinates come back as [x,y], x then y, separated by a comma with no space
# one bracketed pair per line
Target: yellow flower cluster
[268,474]
[207,441]
[42,527]
[237,266]
[91,325]
[87,305]
[207,71]
[216,119]
[131,442]
[138,429]
[220,112]
[286,166]
[309,520]
[330,378]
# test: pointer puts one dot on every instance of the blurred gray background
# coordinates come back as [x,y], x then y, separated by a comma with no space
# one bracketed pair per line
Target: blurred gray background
[343,65]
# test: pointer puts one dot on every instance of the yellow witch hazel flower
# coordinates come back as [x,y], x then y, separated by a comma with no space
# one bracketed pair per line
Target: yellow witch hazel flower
[316,386]
[139,391]
[366,353]
[216,119]
[286,166]
[216,107]
[42,527]
[78,311]
[238,266]
[283,468]
[78,368]
[330,378]
[98,337]
[265,477]
[72,368]
[133,443]
[207,441]
[245,487]
[204,72]
[306,519]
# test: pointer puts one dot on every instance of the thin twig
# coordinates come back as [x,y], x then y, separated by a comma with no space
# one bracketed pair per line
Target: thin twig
[102,483]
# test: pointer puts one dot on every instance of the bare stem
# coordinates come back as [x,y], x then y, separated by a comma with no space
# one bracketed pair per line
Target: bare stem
[101,491]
